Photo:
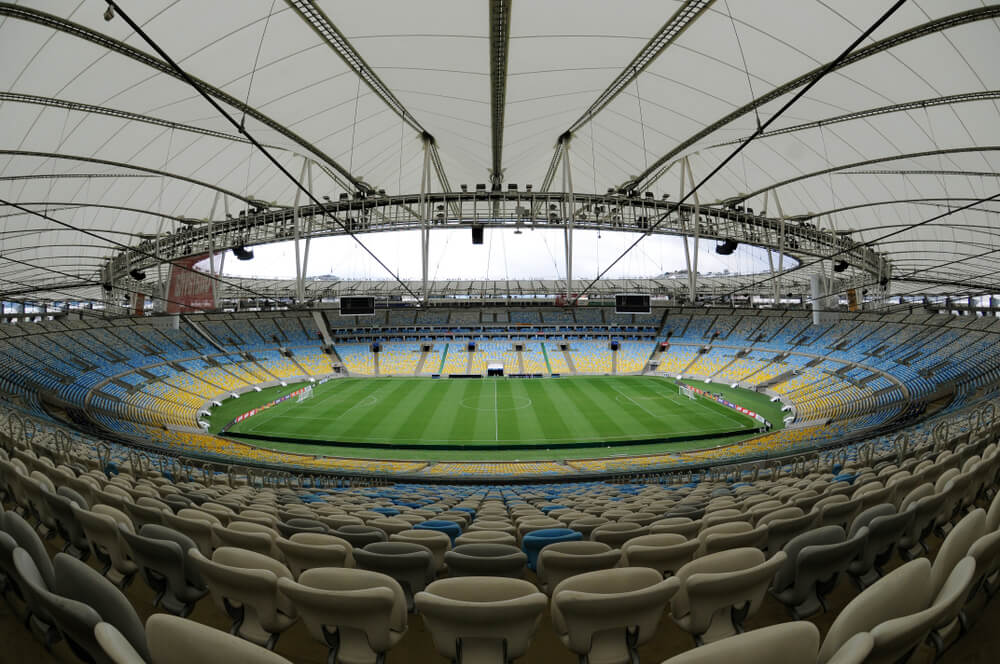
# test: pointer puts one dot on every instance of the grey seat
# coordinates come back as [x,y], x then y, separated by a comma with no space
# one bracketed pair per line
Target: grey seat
[36,595]
[75,580]
[69,529]
[412,565]
[719,591]
[304,551]
[926,506]
[101,524]
[358,614]
[895,639]
[561,560]
[301,525]
[174,640]
[784,525]
[359,535]
[604,616]
[486,559]
[814,562]
[25,536]
[161,554]
[885,527]
[666,553]
[481,619]
[244,584]
[797,643]
[485,537]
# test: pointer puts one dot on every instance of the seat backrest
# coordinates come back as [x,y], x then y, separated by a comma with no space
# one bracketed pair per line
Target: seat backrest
[956,546]
[896,637]
[175,640]
[14,525]
[491,617]
[716,582]
[364,607]
[605,614]
[787,573]
[797,642]
[248,579]
[904,591]
[304,551]
[78,581]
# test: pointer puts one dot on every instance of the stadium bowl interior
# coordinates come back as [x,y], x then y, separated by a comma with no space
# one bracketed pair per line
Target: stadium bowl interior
[480,332]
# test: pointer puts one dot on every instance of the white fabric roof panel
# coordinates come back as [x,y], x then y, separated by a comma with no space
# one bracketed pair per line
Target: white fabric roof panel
[434,58]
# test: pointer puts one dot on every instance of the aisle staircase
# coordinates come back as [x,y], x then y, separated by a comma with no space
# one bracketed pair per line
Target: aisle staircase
[420,363]
[569,362]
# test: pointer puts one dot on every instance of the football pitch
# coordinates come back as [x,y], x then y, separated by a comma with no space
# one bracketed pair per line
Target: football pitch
[492,418]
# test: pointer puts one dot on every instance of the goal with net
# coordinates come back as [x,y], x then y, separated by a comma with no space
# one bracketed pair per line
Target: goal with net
[687,391]
[306,393]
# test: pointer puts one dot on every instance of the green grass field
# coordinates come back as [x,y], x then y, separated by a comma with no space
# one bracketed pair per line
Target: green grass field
[473,419]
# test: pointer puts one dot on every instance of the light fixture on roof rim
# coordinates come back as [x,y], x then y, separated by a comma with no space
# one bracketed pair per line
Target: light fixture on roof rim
[109,13]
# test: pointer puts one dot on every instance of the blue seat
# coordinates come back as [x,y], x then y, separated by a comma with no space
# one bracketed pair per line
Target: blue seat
[536,540]
[549,508]
[388,511]
[465,509]
[449,528]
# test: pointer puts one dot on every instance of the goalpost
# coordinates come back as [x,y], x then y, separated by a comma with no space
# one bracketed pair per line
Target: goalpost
[687,391]
[306,394]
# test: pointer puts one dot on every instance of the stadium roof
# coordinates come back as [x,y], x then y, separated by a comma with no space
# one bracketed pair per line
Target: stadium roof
[105,138]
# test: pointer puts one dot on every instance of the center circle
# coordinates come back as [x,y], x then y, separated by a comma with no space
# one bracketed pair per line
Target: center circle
[513,403]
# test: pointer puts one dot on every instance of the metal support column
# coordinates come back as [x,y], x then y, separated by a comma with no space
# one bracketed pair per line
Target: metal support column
[693,267]
[568,216]
[211,249]
[309,228]
[296,220]
[781,250]
[425,214]
[684,223]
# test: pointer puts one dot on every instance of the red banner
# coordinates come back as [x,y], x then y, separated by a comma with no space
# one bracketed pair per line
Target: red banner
[140,303]
[190,289]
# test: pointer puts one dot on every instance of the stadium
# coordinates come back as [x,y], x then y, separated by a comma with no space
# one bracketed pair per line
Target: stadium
[483,332]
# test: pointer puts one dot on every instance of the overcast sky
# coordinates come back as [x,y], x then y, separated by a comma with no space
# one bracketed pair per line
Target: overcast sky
[534,254]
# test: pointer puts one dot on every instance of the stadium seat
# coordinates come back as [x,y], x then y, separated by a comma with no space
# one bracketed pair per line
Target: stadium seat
[485,537]
[101,524]
[481,619]
[666,553]
[885,527]
[244,585]
[304,551]
[358,614]
[412,565]
[604,616]
[616,533]
[37,596]
[77,581]
[719,591]
[535,541]
[436,541]
[177,641]
[798,643]
[485,559]
[813,563]
[161,555]
[561,560]
[449,528]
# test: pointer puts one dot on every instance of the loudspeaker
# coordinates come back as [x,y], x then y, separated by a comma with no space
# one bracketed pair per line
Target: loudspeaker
[564,347]
[472,347]
[614,345]
[376,347]
[518,348]
[477,235]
